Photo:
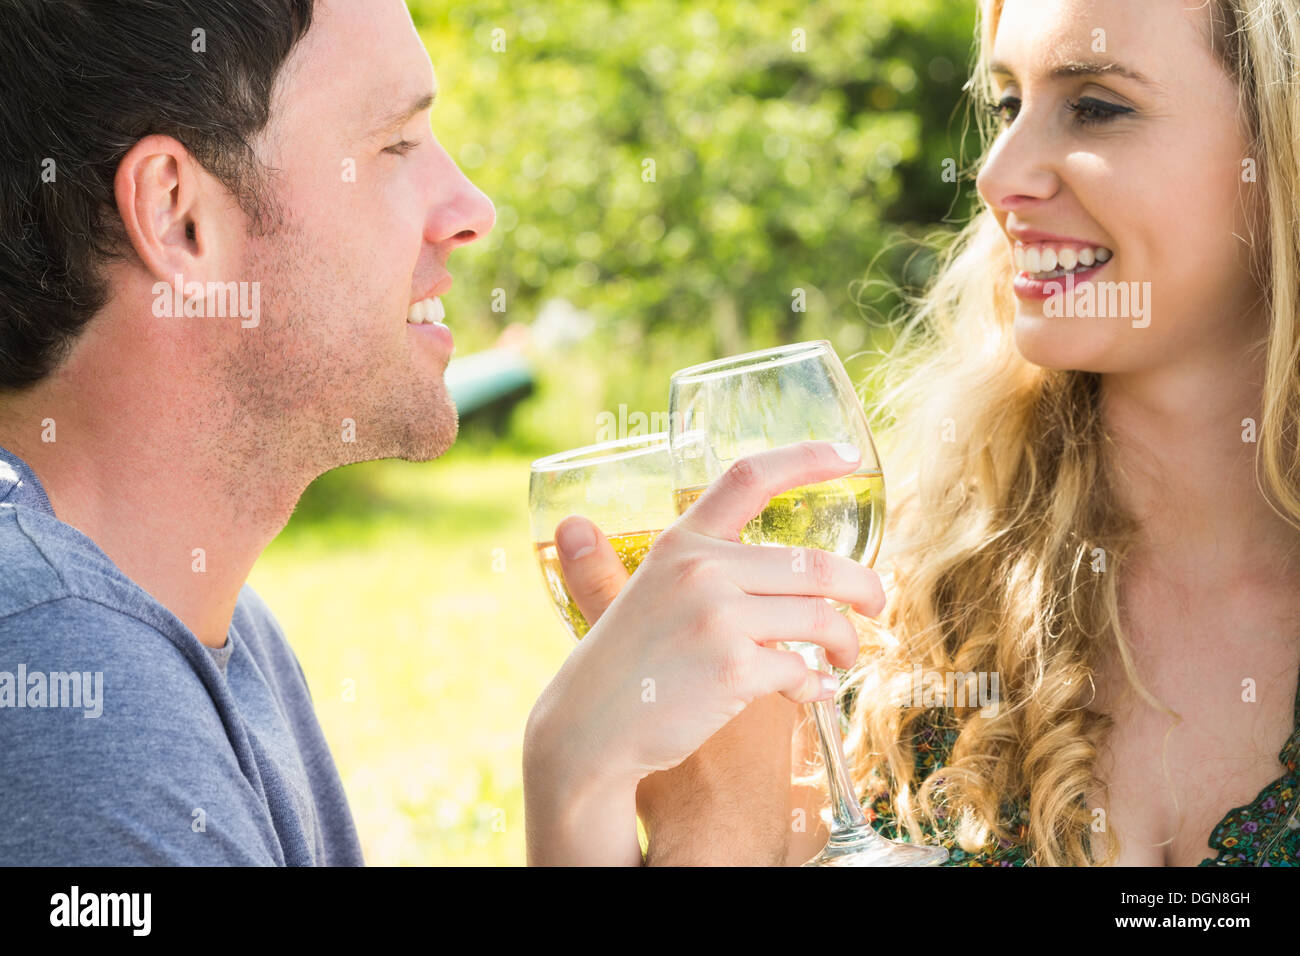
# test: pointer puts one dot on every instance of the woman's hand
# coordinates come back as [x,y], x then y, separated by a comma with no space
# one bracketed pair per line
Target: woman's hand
[680,651]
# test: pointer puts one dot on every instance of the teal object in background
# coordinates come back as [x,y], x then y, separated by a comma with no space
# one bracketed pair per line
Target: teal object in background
[483,379]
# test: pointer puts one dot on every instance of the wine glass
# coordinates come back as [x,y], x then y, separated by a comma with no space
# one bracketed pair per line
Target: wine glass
[730,408]
[624,486]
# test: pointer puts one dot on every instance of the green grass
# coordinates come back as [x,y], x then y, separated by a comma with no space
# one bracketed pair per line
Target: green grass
[412,598]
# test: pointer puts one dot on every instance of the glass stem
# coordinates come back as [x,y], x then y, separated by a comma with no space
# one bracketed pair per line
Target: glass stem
[846,814]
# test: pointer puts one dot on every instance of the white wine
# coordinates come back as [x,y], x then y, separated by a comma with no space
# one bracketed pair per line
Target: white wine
[631,549]
[844,516]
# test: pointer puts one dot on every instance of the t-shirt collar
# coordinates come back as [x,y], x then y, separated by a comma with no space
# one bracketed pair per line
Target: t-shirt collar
[20,486]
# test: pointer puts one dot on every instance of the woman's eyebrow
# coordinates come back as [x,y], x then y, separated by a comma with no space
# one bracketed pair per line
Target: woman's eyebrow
[1070,69]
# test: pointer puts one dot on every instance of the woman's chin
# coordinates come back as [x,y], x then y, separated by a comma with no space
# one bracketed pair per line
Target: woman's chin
[1057,343]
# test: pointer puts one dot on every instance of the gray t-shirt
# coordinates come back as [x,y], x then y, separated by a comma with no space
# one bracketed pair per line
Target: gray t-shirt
[126,741]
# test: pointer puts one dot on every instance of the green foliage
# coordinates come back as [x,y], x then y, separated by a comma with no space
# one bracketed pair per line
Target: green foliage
[782,161]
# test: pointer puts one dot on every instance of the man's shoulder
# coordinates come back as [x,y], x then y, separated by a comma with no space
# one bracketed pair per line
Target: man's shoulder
[115,743]
[111,724]
[48,628]
[29,578]
[61,597]
[56,582]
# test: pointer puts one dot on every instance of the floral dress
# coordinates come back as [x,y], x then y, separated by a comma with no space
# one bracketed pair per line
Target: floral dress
[1265,832]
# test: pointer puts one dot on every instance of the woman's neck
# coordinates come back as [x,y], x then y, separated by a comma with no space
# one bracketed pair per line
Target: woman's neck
[1185,439]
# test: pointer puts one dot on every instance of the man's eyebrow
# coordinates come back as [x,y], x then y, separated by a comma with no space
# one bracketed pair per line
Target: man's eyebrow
[399,116]
[1069,69]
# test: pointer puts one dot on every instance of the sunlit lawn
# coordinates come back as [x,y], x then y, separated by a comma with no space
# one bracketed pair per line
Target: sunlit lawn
[411,596]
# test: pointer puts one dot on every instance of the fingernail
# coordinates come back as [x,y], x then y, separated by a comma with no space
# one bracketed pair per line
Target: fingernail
[575,539]
[830,686]
[847,451]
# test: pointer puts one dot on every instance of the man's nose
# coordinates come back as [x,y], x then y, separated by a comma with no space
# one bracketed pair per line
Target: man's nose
[460,212]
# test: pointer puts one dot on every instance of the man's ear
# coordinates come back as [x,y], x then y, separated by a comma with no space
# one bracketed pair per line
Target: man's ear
[157,193]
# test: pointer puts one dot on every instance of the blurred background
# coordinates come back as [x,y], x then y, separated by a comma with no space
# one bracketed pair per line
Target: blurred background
[674,182]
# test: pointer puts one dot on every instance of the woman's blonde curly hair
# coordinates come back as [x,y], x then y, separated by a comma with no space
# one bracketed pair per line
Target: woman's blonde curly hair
[1003,504]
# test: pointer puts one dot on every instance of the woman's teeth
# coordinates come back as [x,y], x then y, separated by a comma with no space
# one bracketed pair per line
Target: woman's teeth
[426,311]
[1044,261]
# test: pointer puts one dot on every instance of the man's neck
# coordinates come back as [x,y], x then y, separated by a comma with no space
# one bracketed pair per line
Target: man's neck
[138,471]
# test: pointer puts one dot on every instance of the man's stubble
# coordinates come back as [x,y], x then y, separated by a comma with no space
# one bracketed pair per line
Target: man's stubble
[320,382]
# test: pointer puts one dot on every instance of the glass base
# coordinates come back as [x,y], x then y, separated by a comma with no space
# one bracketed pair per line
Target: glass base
[863,846]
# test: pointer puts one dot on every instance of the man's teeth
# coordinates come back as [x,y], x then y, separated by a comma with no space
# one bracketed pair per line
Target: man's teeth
[426,311]
[1042,260]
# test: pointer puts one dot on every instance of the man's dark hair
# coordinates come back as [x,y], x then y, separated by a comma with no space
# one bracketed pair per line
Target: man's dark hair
[81,82]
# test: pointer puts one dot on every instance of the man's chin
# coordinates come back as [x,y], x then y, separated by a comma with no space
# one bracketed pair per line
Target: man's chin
[409,431]
[433,440]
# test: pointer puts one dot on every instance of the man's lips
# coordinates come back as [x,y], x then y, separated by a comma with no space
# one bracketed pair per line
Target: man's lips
[427,317]
[426,310]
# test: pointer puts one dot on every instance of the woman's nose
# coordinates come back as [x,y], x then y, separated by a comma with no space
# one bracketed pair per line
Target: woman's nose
[1021,167]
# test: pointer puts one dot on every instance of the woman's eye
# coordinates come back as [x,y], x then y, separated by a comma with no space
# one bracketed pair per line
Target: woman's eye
[1006,108]
[1088,111]
[401,148]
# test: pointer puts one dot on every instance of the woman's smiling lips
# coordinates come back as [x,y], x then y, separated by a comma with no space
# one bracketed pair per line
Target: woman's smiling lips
[1048,265]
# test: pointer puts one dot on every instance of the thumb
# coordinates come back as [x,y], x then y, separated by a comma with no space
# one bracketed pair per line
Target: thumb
[591,569]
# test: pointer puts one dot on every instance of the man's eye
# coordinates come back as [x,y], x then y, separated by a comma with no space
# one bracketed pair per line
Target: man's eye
[401,148]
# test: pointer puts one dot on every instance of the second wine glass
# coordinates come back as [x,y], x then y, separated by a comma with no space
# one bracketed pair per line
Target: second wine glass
[624,486]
